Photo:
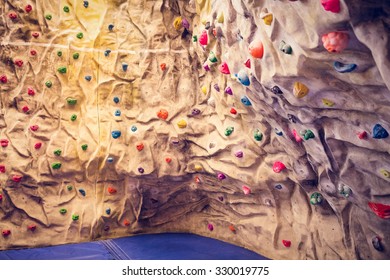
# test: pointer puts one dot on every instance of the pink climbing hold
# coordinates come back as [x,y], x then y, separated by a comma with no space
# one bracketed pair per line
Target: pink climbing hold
[6,232]
[1,197]
[12,15]
[335,41]
[35,34]
[203,38]
[34,127]
[246,190]
[37,145]
[224,68]
[210,227]
[17,178]
[331,5]
[296,136]
[18,62]
[4,142]
[25,109]
[278,167]
[28,8]
[286,243]
[2,168]
[3,79]
[33,52]
[32,227]
[221,176]
[206,66]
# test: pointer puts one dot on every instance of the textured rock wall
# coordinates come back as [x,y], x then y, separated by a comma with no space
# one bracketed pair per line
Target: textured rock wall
[121,117]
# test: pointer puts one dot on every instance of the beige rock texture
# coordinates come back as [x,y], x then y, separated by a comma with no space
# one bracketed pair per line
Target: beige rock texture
[179,189]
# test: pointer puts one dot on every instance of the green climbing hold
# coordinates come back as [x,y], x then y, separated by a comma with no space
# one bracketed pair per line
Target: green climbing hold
[307,134]
[76,55]
[73,117]
[59,53]
[75,217]
[194,38]
[48,84]
[69,187]
[66,9]
[258,135]
[56,165]
[63,211]
[62,70]
[48,17]
[229,130]
[80,35]
[57,152]
[71,101]
[316,198]
[212,57]
[84,147]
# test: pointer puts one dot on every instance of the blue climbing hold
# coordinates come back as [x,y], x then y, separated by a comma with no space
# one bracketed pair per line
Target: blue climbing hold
[88,78]
[116,134]
[110,159]
[117,113]
[116,99]
[86,4]
[344,68]
[379,132]
[278,131]
[245,100]
[82,192]
[133,128]
[125,66]
[107,52]
[278,187]
[242,76]
[108,211]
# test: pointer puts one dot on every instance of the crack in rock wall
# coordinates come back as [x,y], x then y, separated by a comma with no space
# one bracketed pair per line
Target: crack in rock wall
[260,123]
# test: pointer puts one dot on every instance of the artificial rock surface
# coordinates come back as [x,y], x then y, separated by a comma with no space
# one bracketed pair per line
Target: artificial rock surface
[207,164]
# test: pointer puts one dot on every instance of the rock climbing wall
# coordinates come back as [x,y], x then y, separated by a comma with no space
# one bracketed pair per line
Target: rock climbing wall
[260,123]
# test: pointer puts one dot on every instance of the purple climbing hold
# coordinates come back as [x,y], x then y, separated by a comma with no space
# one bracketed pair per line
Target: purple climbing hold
[239,154]
[221,176]
[141,170]
[216,87]
[210,227]
[229,91]
[185,23]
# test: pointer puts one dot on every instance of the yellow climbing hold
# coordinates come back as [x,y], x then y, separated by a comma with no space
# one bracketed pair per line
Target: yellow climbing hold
[385,173]
[300,90]
[327,102]
[182,124]
[204,90]
[198,167]
[204,21]
[177,23]
[268,19]
[220,18]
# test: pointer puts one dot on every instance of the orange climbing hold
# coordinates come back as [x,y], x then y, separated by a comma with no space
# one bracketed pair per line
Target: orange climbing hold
[232,228]
[162,114]
[140,147]
[168,160]
[381,210]
[126,222]
[335,41]
[163,66]
[256,49]
[111,190]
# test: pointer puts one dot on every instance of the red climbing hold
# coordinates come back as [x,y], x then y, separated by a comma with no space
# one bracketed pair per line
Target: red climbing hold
[246,190]
[6,232]
[163,66]
[162,114]
[13,15]
[4,142]
[126,222]
[168,160]
[362,135]
[247,63]
[34,127]
[35,34]
[1,197]
[17,178]
[232,228]
[224,68]
[2,168]
[18,62]
[38,145]
[278,167]
[286,243]
[233,111]
[381,210]
[33,52]
[3,79]
[25,109]
[31,91]
[28,8]
[256,49]
[197,180]
[215,32]
[111,190]
[297,136]
[140,147]
[32,227]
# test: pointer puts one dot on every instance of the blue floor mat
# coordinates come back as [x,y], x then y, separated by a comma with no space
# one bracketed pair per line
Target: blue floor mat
[167,246]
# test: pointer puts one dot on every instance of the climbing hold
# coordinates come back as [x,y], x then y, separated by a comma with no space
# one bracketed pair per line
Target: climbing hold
[163,66]
[182,124]
[30,91]
[229,91]
[107,52]
[246,190]
[194,38]
[57,152]
[66,9]
[86,4]
[62,70]
[203,38]
[331,5]
[206,66]
[278,187]
[110,159]
[18,62]
[141,170]
[125,66]
[242,76]
[108,211]
[381,210]
[80,35]
[229,130]
[88,78]
[216,87]
[48,84]
[32,227]
[59,53]
[212,57]
[25,109]
[177,23]
[140,147]
[307,134]
[284,47]
[221,176]
[376,243]
[162,114]
[220,17]
[286,243]
[327,102]
[38,145]
[76,56]
[75,217]
[195,112]
[82,192]
[207,25]
[69,187]
[6,232]
[73,117]
[385,173]
[168,160]
[239,154]
[278,131]
[268,19]
[344,190]
[2,168]
[111,190]
[133,128]
[116,134]
[257,135]
[4,142]
[316,198]
[344,68]
[245,100]
[232,229]
[335,41]
[362,135]
[3,79]
[300,90]
[28,8]
[117,113]
[1,197]
[278,167]
[247,63]
[197,180]
[204,89]
[256,49]
[106,228]
[224,68]
[210,227]
[56,165]
[296,136]
[35,34]
[17,178]
[84,147]
[110,27]
[63,211]
[233,111]
[126,222]
[185,23]
[34,127]
[12,15]
[292,118]
[48,17]
[71,101]
[116,99]
[379,132]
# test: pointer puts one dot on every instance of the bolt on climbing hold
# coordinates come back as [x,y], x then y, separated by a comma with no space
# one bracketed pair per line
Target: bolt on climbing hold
[195,112]
[344,190]
[63,211]
[362,135]
[258,135]
[107,52]
[35,34]
[108,211]
[228,90]
[85,4]
[48,84]
[162,114]
[203,38]
[229,130]
[168,160]
[307,134]
[3,79]
[182,124]
[57,152]
[4,142]
[38,145]
[6,232]
[381,210]
[111,190]
[28,8]
[284,47]
[385,173]
[141,170]
[56,165]
[276,90]
[32,227]
[66,9]
[335,41]
[177,23]
[245,100]
[300,90]
[210,227]
[59,53]
[133,128]
[34,127]
[73,117]
[286,243]
[298,138]
[62,70]
[224,68]
[82,192]
[69,187]
[327,102]
[163,66]
[88,78]
[115,134]
[117,113]
[12,15]
[48,17]
[80,35]
[278,167]
[140,147]
[316,198]
[76,55]
[30,91]
[239,154]
[116,99]
[331,5]
[256,49]
[212,57]
[233,111]
[344,67]
[110,27]
[84,147]
[75,217]
[243,77]
[246,190]
[125,66]
[185,23]
[194,38]
[18,62]
[71,101]
[379,132]
[376,243]
[216,87]
[221,176]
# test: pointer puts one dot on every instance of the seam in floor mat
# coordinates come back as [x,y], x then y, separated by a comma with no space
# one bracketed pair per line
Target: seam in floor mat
[114,250]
